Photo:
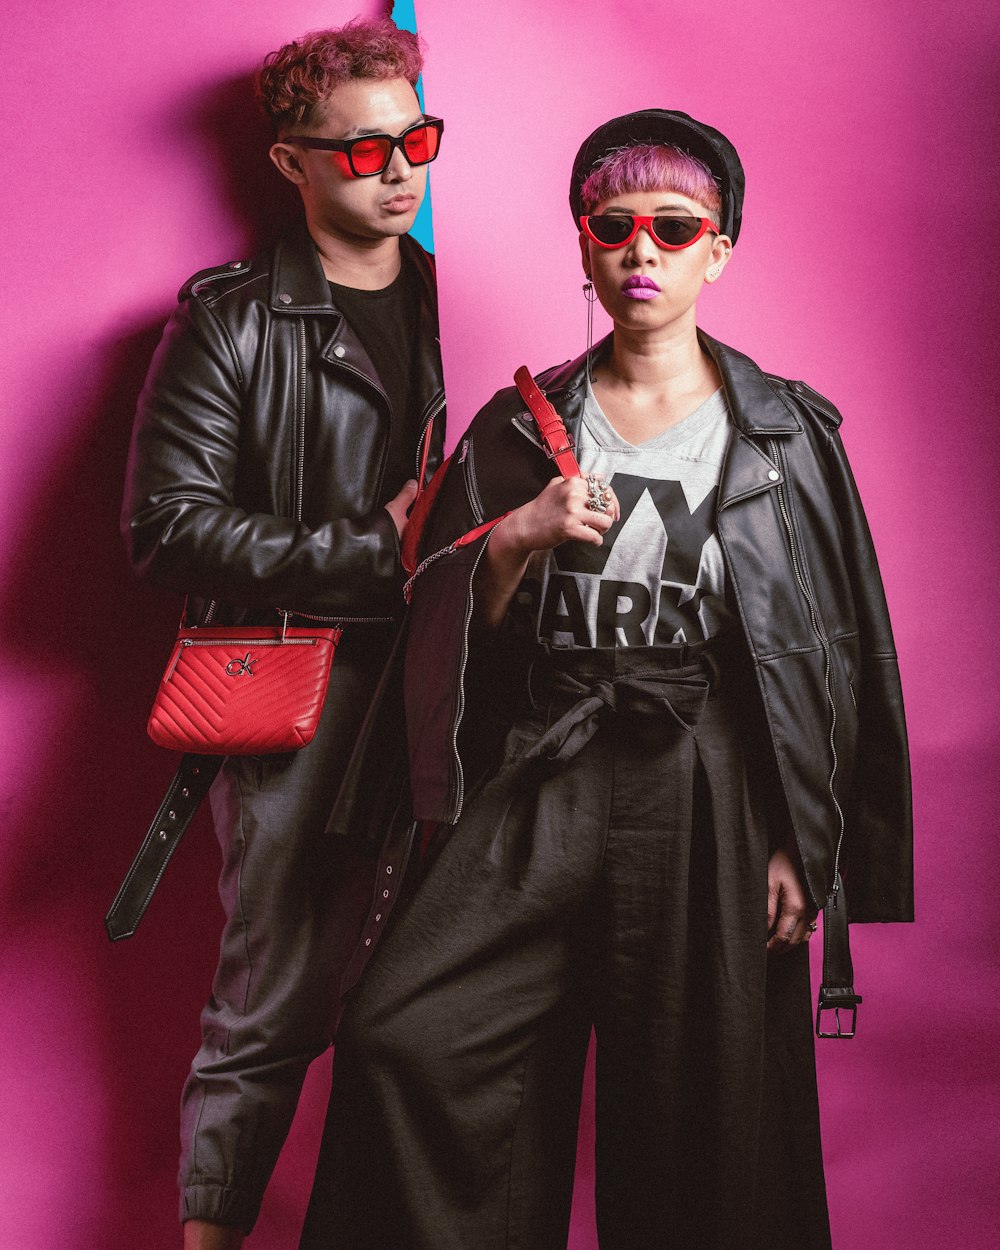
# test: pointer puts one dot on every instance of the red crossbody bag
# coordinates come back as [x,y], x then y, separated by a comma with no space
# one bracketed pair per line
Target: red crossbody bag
[243,691]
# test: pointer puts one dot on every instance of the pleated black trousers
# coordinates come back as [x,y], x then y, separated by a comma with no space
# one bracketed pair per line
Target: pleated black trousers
[612,874]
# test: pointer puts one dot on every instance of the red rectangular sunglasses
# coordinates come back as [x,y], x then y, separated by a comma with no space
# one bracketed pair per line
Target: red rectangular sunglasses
[368,155]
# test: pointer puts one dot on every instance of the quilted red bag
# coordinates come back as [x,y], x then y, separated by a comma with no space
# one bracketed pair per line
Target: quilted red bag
[240,691]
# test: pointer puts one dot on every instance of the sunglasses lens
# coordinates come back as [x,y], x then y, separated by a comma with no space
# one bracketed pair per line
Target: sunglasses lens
[421,144]
[369,155]
[612,231]
[676,231]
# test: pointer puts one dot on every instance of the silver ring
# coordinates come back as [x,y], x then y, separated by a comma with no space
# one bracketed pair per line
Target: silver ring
[812,927]
[598,493]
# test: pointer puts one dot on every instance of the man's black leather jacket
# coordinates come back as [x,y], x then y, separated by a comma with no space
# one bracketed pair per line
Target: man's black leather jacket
[227,497]
[803,580]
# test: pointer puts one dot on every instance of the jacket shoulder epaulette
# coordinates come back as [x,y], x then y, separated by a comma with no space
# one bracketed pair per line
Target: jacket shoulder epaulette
[813,400]
[205,279]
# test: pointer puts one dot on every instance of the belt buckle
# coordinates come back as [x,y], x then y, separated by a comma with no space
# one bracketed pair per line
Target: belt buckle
[848,1002]
[552,452]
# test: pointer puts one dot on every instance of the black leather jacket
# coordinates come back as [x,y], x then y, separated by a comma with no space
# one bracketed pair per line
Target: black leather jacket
[805,584]
[224,500]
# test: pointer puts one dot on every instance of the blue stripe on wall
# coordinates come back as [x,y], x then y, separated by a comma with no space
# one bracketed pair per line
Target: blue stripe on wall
[405,17]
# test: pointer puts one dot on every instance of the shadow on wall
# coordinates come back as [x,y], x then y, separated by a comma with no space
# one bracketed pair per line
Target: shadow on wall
[110,1029]
[119,1023]
[228,122]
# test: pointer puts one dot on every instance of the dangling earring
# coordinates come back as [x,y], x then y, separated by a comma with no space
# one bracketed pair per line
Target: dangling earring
[590,295]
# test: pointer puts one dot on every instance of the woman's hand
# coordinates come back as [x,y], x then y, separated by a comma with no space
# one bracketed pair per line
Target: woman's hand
[557,514]
[789,913]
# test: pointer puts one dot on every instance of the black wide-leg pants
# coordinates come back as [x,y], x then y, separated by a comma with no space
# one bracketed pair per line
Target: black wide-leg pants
[612,873]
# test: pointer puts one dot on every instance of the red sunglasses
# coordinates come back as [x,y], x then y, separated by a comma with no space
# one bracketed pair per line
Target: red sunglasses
[618,229]
[368,155]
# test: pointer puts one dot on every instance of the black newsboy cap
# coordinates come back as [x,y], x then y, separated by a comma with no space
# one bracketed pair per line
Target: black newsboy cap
[678,130]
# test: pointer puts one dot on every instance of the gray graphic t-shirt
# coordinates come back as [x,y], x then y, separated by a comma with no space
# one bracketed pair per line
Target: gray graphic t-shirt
[658,577]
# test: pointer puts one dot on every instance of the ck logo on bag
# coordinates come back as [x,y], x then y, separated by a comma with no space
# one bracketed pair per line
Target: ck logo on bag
[236,668]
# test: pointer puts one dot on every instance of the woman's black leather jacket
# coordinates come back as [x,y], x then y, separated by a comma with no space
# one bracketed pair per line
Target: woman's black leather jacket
[805,584]
[227,498]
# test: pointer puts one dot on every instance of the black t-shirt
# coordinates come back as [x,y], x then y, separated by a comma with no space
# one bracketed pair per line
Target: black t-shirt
[387,323]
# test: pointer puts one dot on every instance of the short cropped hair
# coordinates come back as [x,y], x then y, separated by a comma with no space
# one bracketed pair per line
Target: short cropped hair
[652,167]
[293,82]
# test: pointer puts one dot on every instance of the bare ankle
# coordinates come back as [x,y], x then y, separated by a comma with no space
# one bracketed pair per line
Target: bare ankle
[201,1235]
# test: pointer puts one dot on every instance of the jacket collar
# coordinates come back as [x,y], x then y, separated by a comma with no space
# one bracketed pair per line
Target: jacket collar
[299,285]
[756,406]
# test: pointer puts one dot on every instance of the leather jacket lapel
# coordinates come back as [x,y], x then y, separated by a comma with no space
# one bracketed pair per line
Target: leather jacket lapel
[298,283]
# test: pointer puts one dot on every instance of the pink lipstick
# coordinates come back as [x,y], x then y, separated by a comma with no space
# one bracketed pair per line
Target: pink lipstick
[638,287]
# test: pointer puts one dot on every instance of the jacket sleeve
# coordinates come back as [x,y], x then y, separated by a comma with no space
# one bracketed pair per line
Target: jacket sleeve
[877,853]
[182,526]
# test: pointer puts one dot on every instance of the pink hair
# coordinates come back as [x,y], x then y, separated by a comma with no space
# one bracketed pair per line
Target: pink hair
[652,167]
[296,79]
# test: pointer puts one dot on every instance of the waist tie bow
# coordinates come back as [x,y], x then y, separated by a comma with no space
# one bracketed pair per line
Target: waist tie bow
[647,701]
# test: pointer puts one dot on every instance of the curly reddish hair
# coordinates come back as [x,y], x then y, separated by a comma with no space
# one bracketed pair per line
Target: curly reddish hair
[294,81]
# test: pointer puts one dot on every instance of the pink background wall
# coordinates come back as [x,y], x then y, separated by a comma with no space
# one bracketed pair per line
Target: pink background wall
[134,158]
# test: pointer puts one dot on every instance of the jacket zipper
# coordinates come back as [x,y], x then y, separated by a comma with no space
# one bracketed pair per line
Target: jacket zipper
[432,410]
[827,661]
[354,620]
[300,468]
[300,485]
[472,486]
[522,429]
[300,449]
[460,711]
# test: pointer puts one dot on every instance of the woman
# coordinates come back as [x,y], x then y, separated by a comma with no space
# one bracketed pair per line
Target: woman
[653,714]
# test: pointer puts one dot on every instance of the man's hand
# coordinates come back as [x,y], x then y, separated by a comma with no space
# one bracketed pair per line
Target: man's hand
[789,913]
[397,508]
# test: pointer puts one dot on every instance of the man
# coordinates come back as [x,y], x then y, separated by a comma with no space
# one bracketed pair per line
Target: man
[293,402]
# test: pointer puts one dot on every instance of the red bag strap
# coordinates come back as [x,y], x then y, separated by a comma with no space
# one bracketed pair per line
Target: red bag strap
[556,443]
[422,504]
[555,437]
